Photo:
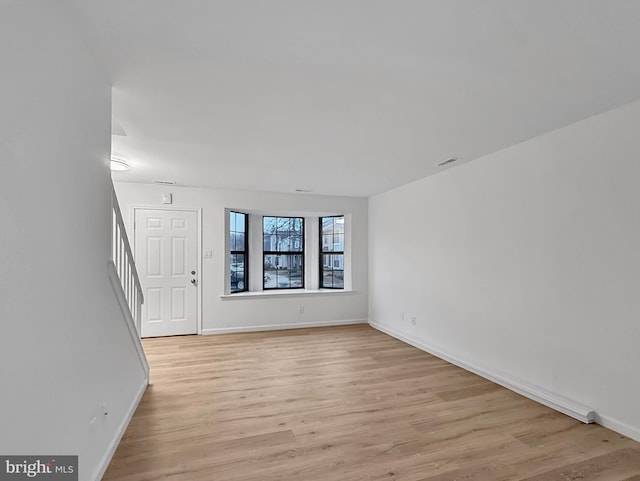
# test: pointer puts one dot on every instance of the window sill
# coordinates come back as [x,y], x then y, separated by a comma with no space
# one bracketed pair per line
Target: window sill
[287,293]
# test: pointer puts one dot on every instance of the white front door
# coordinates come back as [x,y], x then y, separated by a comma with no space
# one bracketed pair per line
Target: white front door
[166,259]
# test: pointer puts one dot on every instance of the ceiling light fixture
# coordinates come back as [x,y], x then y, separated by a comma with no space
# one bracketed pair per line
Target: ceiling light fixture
[164,182]
[448,161]
[119,164]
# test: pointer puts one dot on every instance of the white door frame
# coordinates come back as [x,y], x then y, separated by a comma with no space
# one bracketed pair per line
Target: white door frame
[198,211]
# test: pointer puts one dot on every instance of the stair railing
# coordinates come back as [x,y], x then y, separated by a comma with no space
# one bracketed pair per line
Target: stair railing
[122,258]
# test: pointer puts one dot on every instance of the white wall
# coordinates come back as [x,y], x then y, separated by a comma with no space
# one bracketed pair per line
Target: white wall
[64,345]
[525,263]
[240,314]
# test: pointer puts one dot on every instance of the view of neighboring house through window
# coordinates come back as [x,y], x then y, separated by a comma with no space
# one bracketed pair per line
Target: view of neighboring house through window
[332,252]
[238,237]
[283,245]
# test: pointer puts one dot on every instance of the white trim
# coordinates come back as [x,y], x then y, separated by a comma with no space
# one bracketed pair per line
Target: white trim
[567,406]
[198,211]
[619,427]
[278,327]
[199,244]
[286,293]
[127,316]
[106,459]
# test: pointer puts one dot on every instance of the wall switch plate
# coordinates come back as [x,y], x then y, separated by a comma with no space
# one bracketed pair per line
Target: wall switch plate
[207,254]
[167,198]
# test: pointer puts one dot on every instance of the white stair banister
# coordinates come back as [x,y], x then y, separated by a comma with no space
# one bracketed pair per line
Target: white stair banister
[122,258]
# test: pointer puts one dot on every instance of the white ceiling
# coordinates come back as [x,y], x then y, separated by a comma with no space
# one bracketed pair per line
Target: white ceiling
[349,97]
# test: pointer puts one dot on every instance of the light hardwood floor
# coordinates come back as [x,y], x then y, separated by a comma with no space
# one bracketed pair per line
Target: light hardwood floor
[346,404]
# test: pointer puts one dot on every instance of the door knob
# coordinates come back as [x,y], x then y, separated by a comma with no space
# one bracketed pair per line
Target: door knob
[193,281]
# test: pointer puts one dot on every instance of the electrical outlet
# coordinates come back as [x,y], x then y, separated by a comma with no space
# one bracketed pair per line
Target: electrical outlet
[301,310]
[402,316]
[413,320]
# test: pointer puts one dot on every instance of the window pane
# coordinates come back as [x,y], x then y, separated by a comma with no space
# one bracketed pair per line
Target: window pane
[327,225]
[240,222]
[297,243]
[295,270]
[327,243]
[332,240]
[283,243]
[296,281]
[237,231]
[332,271]
[237,272]
[269,262]
[327,279]
[282,282]
[338,279]
[270,242]
[270,272]
[287,234]
[269,225]
[237,241]
[282,224]
[283,271]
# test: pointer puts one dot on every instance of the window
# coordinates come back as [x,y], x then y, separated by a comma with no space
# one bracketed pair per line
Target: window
[238,249]
[332,252]
[283,251]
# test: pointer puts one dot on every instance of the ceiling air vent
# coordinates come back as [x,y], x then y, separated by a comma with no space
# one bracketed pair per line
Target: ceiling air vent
[164,182]
[448,161]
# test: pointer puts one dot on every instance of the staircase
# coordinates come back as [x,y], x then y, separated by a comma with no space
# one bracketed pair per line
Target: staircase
[124,265]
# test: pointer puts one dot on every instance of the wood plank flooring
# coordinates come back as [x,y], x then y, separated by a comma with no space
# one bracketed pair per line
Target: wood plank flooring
[346,404]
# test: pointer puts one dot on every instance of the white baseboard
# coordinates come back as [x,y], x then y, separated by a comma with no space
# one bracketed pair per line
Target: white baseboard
[278,327]
[552,400]
[106,459]
[617,426]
